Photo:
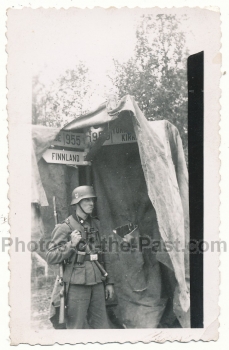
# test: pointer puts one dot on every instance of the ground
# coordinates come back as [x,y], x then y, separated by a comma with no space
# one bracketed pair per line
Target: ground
[40,299]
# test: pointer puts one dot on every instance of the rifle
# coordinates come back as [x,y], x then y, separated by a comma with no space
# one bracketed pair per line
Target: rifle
[61,273]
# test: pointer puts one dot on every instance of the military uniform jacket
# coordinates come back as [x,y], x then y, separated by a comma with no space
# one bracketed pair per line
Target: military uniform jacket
[60,250]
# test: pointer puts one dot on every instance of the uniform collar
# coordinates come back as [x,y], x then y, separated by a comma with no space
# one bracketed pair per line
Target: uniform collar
[80,220]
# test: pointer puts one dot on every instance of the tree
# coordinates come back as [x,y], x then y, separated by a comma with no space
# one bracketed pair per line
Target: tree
[63,100]
[156,75]
[38,94]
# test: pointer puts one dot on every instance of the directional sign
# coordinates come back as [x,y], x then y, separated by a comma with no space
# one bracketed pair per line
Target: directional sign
[116,136]
[69,139]
[65,157]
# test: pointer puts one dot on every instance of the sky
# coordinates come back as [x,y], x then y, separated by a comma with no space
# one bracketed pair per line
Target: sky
[63,38]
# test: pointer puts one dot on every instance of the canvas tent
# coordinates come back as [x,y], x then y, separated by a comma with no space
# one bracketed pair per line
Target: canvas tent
[145,183]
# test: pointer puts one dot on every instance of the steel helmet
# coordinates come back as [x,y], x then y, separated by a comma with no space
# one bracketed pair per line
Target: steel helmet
[82,192]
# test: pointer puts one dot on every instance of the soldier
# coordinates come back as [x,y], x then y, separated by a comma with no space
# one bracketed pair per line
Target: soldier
[77,242]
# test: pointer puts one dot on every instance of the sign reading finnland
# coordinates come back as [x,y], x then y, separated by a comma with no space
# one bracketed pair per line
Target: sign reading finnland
[65,157]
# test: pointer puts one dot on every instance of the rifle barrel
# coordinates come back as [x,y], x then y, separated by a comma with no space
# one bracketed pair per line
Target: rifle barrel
[54,210]
[61,272]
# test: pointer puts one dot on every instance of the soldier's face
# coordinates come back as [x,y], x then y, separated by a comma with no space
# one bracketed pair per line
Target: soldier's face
[88,205]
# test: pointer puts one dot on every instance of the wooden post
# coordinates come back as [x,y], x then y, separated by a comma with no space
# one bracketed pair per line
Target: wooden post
[88,167]
[88,175]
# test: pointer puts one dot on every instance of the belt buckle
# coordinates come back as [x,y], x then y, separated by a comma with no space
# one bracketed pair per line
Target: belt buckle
[93,257]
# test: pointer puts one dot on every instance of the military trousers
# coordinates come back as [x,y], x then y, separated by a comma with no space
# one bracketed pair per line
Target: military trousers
[86,307]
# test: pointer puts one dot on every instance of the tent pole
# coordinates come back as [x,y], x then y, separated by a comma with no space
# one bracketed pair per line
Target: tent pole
[88,175]
[88,167]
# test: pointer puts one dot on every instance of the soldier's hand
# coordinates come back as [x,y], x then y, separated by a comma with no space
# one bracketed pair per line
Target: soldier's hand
[75,237]
[109,291]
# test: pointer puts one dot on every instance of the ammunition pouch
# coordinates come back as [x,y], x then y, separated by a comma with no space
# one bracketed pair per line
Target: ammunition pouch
[81,246]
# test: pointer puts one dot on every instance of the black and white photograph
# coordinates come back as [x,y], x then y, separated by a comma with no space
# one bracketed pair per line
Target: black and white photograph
[117,171]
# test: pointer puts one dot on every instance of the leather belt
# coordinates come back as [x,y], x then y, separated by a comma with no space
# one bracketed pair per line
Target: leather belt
[86,257]
[89,257]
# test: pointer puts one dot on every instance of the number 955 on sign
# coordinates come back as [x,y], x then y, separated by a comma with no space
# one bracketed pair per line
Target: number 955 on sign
[69,139]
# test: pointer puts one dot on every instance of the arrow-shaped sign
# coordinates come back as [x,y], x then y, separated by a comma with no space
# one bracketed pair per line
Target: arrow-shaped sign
[65,157]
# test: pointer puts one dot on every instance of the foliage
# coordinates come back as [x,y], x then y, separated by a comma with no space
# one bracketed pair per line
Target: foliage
[156,75]
[63,100]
